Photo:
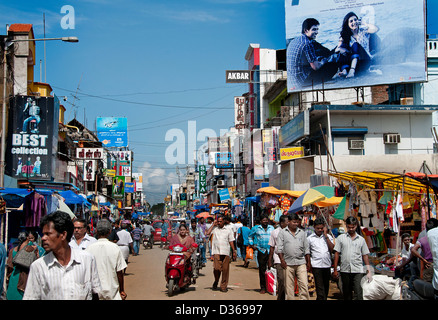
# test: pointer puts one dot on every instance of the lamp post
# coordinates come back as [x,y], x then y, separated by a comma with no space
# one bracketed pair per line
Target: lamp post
[7,44]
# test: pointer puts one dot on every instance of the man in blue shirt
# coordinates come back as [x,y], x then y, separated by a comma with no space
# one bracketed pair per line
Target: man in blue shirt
[301,59]
[261,235]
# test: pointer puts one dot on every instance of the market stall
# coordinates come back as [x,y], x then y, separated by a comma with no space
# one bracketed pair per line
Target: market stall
[386,205]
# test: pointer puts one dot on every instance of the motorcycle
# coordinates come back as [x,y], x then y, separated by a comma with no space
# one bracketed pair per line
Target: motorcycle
[178,270]
[422,290]
[148,241]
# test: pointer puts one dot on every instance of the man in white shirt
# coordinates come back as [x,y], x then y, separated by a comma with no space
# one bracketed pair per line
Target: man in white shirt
[63,273]
[110,263]
[80,239]
[125,242]
[223,238]
[273,256]
[321,247]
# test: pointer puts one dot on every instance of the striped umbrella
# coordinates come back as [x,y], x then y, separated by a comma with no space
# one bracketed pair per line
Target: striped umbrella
[312,195]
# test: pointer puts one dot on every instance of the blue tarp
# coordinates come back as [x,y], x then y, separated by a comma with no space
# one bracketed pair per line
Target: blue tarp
[70,196]
[253,199]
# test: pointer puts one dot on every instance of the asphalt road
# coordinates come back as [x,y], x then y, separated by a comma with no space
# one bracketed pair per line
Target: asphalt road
[144,280]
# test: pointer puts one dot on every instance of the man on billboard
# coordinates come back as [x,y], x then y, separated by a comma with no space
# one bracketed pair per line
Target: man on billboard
[304,65]
[34,115]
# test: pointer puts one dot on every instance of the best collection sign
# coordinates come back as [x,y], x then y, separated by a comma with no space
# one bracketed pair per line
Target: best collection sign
[32,140]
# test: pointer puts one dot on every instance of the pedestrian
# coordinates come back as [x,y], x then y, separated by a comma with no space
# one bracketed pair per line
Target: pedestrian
[432,237]
[164,233]
[294,254]
[354,251]
[262,234]
[116,228]
[203,226]
[274,259]
[110,263]
[3,257]
[136,237]
[81,239]
[238,224]
[209,223]
[17,275]
[321,246]
[222,240]
[125,242]
[231,225]
[59,274]
[244,232]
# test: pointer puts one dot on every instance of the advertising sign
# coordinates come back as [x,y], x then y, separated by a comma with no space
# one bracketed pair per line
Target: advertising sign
[138,177]
[119,187]
[224,160]
[89,153]
[239,112]
[335,44]
[121,162]
[224,194]
[129,187]
[237,76]
[291,153]
[112,132]
[297,128]
[32,138]
[89,170]
[202,179]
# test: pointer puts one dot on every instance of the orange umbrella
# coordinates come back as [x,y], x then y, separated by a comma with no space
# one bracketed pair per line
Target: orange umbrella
[204,214]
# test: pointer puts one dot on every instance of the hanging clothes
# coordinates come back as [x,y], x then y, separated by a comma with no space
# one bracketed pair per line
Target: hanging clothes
[34,208]
[285,202]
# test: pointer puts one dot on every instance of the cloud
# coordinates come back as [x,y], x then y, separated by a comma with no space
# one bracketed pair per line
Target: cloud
[156,182]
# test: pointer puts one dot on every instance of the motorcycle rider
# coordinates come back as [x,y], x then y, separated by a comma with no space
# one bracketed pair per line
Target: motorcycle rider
[148,231]
[199,237]
[183,237]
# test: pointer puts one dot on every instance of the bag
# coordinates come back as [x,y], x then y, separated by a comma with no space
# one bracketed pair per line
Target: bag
[240,240]
[24,258]
[271,281]
[249,253]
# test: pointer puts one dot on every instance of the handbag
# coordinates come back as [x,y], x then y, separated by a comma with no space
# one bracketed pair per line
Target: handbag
[24,258]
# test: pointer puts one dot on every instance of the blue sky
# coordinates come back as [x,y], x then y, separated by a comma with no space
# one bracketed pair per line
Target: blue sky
[158,63]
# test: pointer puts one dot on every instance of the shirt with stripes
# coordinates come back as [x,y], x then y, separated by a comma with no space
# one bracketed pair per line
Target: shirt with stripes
[49,280]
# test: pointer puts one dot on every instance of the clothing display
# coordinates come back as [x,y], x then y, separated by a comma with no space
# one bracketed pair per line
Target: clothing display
[34,209]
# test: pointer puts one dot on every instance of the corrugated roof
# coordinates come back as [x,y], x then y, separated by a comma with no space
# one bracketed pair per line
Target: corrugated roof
[20,27]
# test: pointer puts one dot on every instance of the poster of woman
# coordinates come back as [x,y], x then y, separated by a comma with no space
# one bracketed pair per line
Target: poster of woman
[336,44]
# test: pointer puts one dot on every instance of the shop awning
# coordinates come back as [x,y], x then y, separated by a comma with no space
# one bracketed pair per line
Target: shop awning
[273,190]
[391,181]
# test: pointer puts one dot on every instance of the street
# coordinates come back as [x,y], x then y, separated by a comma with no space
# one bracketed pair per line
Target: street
[144,280]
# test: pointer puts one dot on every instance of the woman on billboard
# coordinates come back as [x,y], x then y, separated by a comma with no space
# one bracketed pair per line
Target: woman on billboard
[356,47]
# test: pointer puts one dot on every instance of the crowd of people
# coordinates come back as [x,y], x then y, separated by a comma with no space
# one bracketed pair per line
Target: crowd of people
[75,265]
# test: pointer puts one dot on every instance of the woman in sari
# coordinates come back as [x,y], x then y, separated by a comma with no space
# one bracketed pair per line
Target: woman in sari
[17,276]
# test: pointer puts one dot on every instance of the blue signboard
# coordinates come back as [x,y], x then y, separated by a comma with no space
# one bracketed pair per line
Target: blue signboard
[129,187]
[112,131]
[224,160]
[224,194]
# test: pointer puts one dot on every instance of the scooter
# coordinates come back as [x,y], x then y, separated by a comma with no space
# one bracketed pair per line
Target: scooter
[422,290]
[178,271]
[148,241]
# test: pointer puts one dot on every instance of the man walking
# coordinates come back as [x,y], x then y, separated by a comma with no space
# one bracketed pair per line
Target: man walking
[80,239]
[59,274]
[110,263]
[321,247]
[293,250]
[222,240]
[354,251]
[261,234]
[273,257]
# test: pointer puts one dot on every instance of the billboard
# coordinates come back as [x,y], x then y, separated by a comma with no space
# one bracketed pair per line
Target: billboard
[112,131]
[118,187]
[354,43]
[32,140]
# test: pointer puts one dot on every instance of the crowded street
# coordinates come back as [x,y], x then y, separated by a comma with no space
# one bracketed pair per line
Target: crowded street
[219,158]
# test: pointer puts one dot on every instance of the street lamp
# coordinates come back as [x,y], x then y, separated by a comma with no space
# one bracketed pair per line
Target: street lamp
[7,44]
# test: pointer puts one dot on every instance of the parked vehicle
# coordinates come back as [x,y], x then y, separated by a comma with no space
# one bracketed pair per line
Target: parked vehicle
[178,270]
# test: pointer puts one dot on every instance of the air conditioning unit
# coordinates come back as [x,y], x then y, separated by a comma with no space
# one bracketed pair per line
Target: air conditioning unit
[356,144]
[221,183]
[391,138]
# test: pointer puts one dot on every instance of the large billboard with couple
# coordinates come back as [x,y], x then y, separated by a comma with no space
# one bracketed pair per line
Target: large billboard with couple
[335,44]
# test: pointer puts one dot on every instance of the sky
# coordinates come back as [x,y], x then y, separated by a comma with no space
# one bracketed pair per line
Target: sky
[161,64]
